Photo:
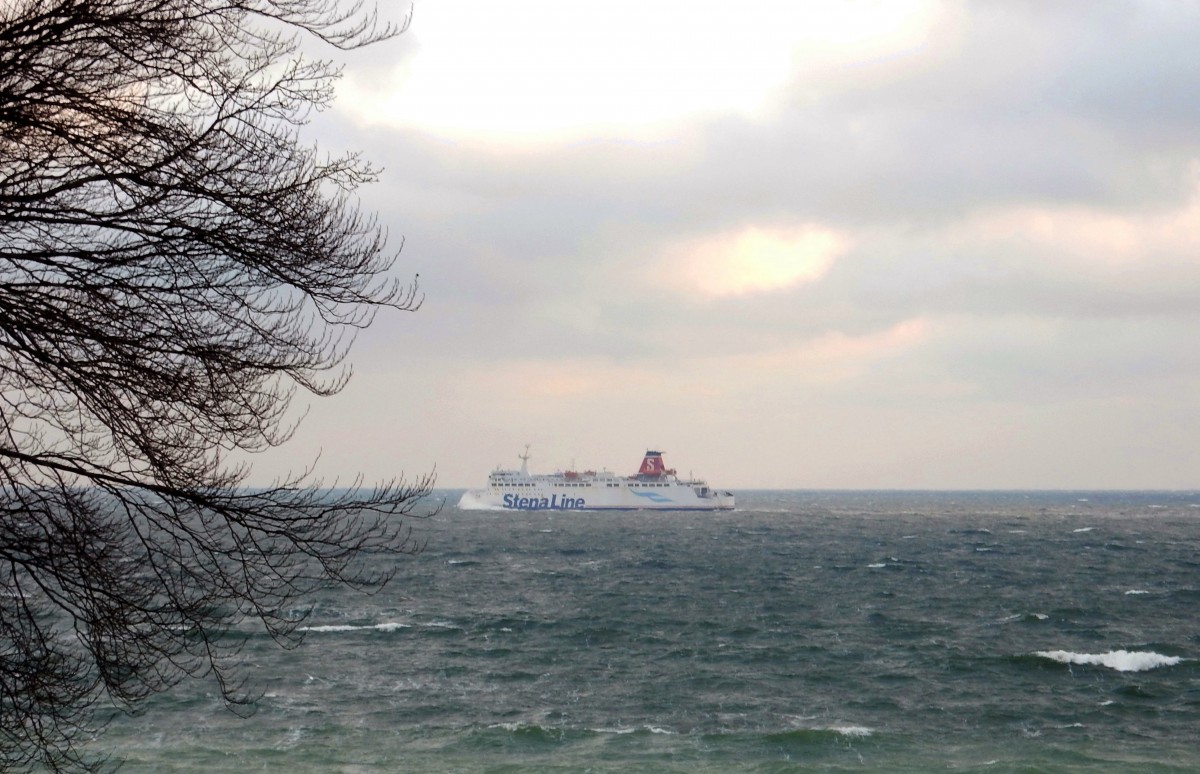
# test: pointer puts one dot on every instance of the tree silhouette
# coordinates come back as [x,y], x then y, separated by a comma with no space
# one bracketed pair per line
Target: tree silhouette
[175,265]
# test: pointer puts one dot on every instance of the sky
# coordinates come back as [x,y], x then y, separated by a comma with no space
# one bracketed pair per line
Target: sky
[914,245]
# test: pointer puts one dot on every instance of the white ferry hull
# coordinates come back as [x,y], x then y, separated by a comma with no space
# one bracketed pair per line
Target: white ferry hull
[653,488]
[680,498]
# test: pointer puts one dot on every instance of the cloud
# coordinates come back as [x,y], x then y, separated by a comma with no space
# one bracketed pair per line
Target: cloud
[916,244]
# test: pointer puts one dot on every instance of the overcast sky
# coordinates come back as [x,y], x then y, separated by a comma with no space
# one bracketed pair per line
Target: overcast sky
[799,245]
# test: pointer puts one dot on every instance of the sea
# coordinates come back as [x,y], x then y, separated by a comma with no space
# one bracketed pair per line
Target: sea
[804,631]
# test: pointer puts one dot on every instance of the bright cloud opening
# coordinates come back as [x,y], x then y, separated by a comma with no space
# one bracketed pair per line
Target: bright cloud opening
[755,260]
[543,69]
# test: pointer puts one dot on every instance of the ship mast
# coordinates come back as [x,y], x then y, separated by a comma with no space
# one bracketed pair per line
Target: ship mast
[524,458]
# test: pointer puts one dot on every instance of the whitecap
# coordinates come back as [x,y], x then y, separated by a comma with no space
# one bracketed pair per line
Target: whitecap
[1120,660]
[797,720]
[877,566]
[1083,529]
[635,729]
[1136,591]
[383,627]
[851,730]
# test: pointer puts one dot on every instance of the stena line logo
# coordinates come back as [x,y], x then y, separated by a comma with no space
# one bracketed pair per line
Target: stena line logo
[553,502]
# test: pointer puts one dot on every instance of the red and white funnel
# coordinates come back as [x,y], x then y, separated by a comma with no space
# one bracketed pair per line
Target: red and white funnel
[652,465]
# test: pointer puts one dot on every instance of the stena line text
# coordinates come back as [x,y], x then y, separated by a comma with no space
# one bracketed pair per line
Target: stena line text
[553,502]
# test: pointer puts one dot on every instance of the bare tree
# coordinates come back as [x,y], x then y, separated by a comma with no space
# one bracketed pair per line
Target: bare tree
[175,264]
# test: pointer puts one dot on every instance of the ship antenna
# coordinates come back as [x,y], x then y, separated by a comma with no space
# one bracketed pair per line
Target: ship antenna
[524,458]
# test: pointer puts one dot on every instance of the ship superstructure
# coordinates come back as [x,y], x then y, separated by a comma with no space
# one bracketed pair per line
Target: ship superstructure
[653,487]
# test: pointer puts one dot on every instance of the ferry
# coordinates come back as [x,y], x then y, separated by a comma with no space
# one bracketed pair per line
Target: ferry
[653,487]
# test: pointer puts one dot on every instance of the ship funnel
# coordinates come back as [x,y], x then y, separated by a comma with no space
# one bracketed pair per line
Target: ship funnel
[652,464]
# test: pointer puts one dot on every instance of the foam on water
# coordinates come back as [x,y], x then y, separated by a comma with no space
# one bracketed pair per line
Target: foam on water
[625,730]
[1120,660]
[382,627]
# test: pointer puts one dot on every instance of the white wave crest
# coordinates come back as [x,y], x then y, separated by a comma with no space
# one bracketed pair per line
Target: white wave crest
[1136,591]
[623,730]
[851,730]
[1120,660]
[382,627]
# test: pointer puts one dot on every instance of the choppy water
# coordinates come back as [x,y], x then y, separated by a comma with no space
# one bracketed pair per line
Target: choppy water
[803,632]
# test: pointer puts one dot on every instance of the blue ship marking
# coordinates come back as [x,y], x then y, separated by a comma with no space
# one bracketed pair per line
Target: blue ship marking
[653,497]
